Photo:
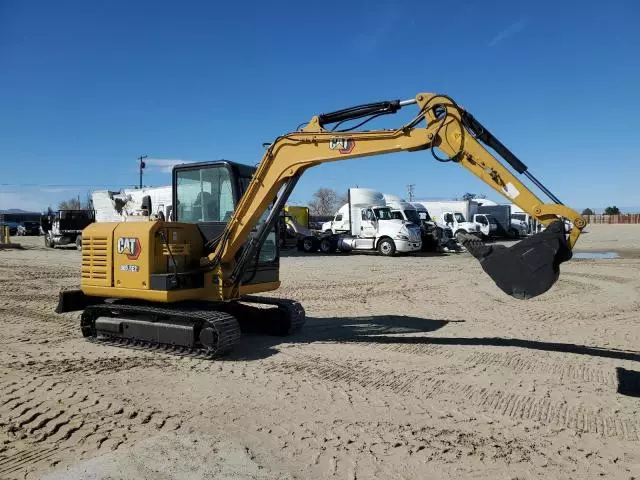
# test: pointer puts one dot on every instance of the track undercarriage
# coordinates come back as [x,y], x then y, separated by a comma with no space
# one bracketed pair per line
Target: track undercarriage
[194,329]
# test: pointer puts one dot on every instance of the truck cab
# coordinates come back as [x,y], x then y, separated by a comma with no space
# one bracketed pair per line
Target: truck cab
[459,224]
[366,223]
[392,232]
[488,224]
[434,237]
[340,222]
[459,215]
[523,221]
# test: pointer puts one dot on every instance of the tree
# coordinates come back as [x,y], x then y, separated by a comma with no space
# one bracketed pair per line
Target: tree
[88,202]
[324,202]
[471,196]
[612,210]
[587,211]
[74,203]
[71,204]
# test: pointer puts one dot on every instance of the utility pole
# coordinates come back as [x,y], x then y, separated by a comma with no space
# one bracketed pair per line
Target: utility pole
[410,191]
[142,165]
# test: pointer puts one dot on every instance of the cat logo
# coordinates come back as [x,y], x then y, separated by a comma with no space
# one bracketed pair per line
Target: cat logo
[129,246]
[343,145]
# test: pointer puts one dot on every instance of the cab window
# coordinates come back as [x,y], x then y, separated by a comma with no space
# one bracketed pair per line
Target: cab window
[204,195]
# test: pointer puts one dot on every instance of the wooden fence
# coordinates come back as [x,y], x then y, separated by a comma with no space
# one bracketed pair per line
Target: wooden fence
[623,218]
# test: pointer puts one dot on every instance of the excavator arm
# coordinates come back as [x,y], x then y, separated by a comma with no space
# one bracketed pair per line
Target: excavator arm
[525,270]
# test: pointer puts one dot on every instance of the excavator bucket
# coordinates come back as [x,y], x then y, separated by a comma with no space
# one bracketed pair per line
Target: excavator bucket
[526,269]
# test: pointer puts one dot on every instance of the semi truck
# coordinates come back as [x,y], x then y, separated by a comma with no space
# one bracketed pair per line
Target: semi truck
[365,224]
[461,216]
[438,238]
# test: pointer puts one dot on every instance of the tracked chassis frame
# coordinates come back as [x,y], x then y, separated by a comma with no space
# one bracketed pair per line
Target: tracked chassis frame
[196,329]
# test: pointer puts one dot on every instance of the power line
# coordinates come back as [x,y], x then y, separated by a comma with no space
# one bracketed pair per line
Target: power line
[57,185]
[51,185]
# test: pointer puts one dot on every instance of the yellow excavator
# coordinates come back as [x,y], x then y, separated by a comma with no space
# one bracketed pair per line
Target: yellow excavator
[188,285]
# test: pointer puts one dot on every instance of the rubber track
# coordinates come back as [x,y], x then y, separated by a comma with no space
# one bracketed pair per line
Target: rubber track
[294,309]
[225,325]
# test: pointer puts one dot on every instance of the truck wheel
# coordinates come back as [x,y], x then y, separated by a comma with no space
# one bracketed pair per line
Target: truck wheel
[326,245]
[78,242]
[309,244]
[386,247]
[513,233]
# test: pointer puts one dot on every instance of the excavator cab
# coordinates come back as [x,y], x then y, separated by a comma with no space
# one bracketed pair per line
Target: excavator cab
[206,194]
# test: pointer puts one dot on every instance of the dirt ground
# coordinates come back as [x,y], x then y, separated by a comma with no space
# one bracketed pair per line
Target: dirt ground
[407,368]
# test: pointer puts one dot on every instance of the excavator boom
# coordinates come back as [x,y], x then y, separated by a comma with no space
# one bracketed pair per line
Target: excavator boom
[525,270]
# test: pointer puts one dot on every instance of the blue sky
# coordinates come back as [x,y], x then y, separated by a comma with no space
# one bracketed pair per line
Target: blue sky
[86,87]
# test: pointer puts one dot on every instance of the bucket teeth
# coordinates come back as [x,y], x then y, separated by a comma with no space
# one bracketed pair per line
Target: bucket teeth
[528,268]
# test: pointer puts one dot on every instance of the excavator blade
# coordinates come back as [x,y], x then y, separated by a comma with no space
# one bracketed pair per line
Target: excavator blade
[528,268]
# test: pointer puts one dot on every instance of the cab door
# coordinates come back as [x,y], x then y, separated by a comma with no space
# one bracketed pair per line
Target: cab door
[368,223]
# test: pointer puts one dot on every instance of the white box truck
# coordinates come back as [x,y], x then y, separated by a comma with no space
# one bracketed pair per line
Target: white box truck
[365,223]
[461,216]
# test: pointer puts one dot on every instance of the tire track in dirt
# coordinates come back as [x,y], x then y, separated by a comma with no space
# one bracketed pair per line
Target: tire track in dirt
[39,415]
[36,332]
[560,370]
[40,318]
[93,365]
[514,405]
[390,344]
[31,296]
[309,292]
[37,309]
[337,443]
[9,289]
[12,465]
[599,277]
[22,274]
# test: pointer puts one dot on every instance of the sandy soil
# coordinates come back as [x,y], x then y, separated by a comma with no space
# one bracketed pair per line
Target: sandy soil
[409,367]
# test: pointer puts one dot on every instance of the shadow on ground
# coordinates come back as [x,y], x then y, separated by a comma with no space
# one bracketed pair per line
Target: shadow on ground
[393,330]
[386,329]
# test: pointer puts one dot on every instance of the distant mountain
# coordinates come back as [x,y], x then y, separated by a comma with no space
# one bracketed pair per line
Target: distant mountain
[13,210]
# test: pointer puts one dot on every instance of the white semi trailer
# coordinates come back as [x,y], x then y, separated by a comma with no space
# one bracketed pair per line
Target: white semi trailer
[365,223]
